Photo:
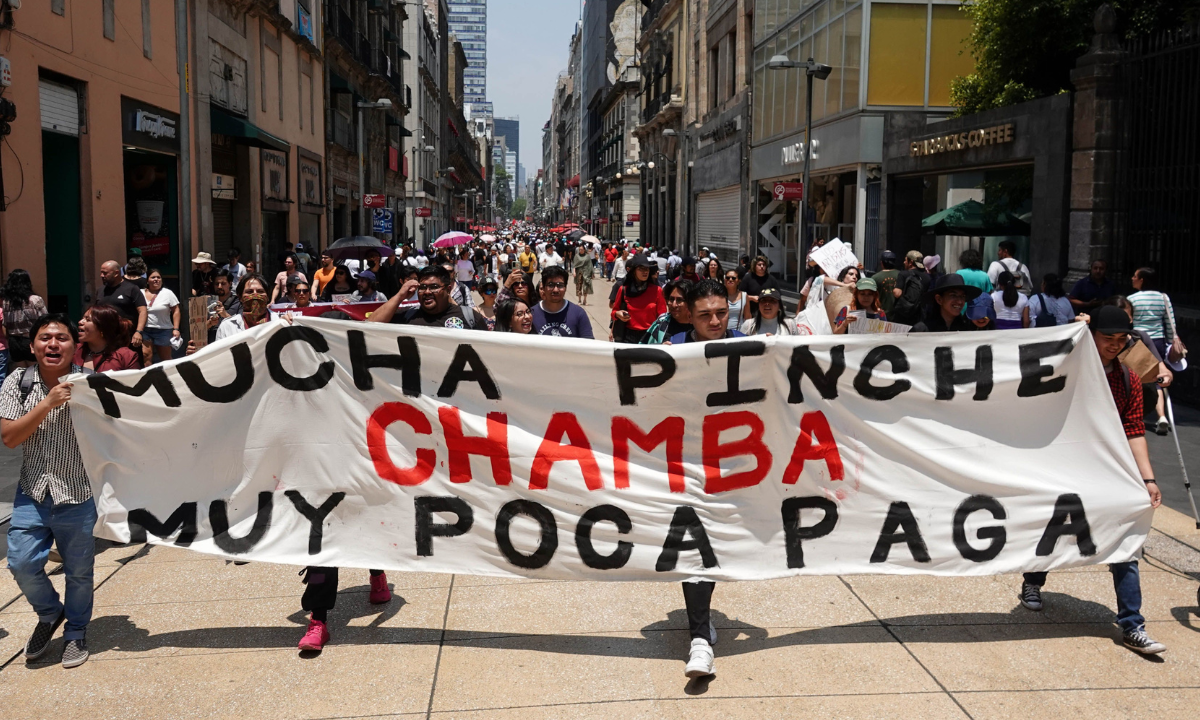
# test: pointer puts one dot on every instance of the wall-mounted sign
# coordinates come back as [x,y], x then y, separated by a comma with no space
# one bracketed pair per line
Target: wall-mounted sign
[312,199]
[224,187]
[955,142]
[374,201]
[794,154]
[148,126]
[788,191]
[274,177]
[341,191]
[382,221]
[423,212]
[634,217]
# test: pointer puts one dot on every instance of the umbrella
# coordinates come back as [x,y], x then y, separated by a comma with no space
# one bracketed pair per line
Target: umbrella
[973,219]
[575,234]
[452,238]
[589,239]
[488,238]
[356,248]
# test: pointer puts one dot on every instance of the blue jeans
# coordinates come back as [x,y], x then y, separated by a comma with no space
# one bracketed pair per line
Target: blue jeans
[1128,584]
[608,268]
[37,525]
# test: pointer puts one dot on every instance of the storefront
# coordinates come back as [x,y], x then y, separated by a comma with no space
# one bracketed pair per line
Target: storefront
[150,138]
[1014,160]
[846,154]
[312,198]
[273,172]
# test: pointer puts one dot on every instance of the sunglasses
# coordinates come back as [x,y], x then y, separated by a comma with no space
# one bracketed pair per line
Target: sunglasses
[555,286]
[429,288]
[489,292]
[302,291]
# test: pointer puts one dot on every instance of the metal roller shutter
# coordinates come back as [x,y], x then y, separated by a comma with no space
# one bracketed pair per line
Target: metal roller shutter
[60,107]
[719,221]
[222,216]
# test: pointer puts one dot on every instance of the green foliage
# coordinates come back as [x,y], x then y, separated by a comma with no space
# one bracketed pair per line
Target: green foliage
[517,211]
[1026,49]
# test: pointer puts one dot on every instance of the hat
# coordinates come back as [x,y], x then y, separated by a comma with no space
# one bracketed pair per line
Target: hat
[981,307]
[1110,320]
[867,284]
[366,275]
[888,255]
[300,246]
[202,257]
[688,261]
[931,261]
[953,281]
[770,292]
[639,260]
[135,251]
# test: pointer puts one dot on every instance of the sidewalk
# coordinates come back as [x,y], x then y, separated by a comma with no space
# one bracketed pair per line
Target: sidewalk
[178,634]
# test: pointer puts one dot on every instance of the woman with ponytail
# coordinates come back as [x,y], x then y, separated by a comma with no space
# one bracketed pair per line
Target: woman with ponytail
[1012,307]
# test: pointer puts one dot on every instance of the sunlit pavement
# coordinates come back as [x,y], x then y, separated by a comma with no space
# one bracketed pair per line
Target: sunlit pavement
[177,634]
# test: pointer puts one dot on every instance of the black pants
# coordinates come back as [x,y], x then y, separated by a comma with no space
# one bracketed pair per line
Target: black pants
[697,598]
[320,589]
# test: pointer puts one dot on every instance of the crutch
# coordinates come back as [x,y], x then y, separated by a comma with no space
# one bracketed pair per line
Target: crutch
[1179,450]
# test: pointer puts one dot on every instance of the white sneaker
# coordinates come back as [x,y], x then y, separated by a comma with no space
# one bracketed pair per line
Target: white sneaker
[700,659]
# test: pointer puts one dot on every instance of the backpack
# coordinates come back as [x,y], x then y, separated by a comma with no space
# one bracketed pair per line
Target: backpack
[907,308]
[1018,276]
[1044,318]
[29,378]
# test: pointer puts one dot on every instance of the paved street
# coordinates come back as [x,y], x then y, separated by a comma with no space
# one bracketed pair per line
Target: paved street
[178,634]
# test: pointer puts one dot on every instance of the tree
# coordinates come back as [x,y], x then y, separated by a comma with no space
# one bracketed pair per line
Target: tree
[1025,49]
[503,194]
[517,212]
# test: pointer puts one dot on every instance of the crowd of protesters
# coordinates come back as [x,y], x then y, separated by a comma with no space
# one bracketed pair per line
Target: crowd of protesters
[522,279]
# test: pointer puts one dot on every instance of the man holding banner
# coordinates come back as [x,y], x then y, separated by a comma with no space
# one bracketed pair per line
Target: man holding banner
[1111,328]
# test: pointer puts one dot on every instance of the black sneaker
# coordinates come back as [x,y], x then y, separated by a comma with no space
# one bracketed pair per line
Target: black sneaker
[1139,641]
[41,637]
[1031,597]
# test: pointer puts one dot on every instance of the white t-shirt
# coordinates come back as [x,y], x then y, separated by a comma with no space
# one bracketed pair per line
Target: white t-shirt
[238,271]
[1060,308]
[464,270]
[158,313]
[1017,268]
[550,259]
[1010,313]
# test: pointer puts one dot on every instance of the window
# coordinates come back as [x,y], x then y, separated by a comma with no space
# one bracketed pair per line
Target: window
[949,51]
[897,57]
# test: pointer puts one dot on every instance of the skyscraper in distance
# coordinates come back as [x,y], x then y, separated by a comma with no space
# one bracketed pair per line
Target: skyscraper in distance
[468,22]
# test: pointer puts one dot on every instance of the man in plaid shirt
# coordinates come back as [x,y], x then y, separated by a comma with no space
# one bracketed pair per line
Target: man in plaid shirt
[1110,328]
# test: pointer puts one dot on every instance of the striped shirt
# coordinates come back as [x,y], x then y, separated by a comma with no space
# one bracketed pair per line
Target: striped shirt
[1152,314]
[50,456]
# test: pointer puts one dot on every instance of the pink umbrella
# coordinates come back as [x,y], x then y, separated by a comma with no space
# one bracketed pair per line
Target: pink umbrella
[452,238]
[488,238]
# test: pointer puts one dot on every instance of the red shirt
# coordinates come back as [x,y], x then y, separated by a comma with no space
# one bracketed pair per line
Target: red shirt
[643,309]
[121,358]
[610,255]
[1127,393]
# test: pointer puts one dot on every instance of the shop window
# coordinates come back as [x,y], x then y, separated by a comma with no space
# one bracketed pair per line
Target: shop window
[949,51]
[897,56]
[851,55]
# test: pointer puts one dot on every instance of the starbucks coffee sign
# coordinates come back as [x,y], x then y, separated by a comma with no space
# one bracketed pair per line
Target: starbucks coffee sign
[957,142]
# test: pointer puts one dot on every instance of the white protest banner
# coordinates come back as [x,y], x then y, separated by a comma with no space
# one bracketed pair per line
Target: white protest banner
[872,326]
[367,445]
[833,256]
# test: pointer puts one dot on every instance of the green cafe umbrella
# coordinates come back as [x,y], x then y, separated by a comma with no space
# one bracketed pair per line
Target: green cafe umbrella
[974,219]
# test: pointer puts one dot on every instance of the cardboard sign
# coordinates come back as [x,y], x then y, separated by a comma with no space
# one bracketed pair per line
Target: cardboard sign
[198,320]
[833,256]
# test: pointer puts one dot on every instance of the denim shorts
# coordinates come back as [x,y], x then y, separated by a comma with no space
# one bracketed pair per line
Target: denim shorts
[160,337]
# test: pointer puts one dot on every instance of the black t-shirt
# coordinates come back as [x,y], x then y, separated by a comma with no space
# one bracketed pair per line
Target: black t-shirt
[125,297]
[451,317]
[754,285]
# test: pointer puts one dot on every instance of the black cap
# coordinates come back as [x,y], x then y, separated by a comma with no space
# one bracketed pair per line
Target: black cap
[1110,320]
[887,255]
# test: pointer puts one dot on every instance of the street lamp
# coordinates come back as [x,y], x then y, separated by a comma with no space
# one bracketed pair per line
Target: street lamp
[380,104]
[812,69]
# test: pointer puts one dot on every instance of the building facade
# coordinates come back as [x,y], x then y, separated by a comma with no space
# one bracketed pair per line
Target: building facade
[468,22]
[664,50]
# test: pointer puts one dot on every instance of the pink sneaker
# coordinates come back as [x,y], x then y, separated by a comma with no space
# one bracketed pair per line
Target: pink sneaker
[379,589]
[315,637]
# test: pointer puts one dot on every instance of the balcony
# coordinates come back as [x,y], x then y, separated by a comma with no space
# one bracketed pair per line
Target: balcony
[652,13]
[366,53]
[340,25]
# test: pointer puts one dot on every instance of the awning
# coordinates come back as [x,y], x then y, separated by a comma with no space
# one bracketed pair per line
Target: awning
[573,182]
[223,123]
[392,122]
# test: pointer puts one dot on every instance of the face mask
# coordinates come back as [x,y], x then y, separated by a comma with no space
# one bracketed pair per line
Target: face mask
[254,305]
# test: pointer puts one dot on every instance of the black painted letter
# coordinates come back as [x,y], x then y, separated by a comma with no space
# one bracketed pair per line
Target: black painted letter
[243,378]
[547,538]
[685,522]
[1033,371]
[794,532]
[219,519]
[427,529]
[280,340]
[457,372]
[900,517]
[628,383]
[947,376]
[105,386]
[825,381]
[583,538]
[183,519]
[734,351]
[878,355]
[407,361]
[1069,519]
[995,533]
[315,516]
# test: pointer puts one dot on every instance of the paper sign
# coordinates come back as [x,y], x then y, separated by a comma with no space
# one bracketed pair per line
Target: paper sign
[833,256]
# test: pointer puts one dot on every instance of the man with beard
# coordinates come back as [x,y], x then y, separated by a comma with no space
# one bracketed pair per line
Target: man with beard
[433,285]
